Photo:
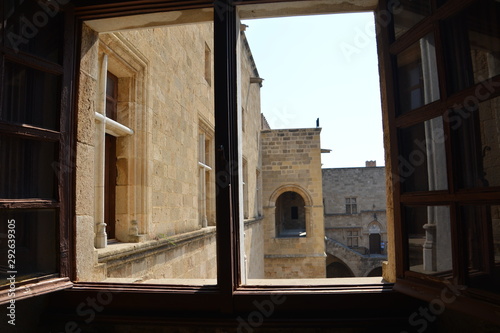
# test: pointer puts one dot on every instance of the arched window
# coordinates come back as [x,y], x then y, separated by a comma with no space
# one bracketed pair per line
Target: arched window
[290,215]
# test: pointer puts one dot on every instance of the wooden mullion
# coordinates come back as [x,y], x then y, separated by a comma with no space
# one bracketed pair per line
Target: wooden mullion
[476,196]
[67,157]
[451,8]
[413,35]
[427,198]
[480,92]
[28,204]
[29,132]
[424,26]
[424,113]
[32,61]
[225,84]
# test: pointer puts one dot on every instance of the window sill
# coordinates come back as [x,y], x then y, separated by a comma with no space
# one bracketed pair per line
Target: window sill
[125,251]
[166,282]
[27,290]
[376,281]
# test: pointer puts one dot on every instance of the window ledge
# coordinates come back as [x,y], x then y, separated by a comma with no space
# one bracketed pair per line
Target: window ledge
[166,282]
[354,284]
[120,251]
[253,220]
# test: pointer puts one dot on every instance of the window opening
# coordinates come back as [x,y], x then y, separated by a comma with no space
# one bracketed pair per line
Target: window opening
[153,151]
[351,206]
[290,215]
[295,172]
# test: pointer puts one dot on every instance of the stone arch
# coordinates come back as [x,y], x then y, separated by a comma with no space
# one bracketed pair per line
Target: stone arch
[290,215]
[304,211]
[338,269]
[374,227]
[290,188]
[377,271]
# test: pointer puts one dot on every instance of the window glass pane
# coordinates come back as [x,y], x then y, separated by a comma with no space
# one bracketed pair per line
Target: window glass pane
[477,149]
[27,171]
[417,74]
[422,162]
[147,210]
[484,38]
[429,239]
[409,13]
[34,27]
[342,192]
[476,58]
[456,48]
[31,97]
[31,251]
[482,227]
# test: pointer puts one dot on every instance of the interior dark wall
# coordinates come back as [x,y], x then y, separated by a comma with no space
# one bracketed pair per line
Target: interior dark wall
[39,315]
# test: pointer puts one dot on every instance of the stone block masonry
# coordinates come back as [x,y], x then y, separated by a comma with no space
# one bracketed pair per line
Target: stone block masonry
[291,162]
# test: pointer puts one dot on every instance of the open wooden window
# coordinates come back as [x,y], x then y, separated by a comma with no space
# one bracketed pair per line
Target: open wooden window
[445,114]
[35,148]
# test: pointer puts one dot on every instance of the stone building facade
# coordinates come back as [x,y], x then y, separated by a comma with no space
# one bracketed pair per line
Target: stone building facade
[293,210]
[355,220]
[162,220]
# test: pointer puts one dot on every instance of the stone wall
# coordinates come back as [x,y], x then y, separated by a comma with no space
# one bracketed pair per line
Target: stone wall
[250,138]
[291,161]
[254,248]
[367,185]
[165,96]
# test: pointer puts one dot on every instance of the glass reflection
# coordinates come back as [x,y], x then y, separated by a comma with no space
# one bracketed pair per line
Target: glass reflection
[31,97]
[476,58]
[30,172]
[422,162]
[408,14]
[35,243]
[429,239]
[484,39]
[417,74]
[482,226]
[475,131]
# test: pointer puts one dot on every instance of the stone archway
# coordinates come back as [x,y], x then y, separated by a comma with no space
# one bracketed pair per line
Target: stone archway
[290,201]
[290,215]
[338,269]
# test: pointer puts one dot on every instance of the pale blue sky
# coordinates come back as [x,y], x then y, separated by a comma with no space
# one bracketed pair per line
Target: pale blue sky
[322,67]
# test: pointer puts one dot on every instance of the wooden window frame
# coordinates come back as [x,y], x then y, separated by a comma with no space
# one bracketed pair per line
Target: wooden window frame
[63,166]
[418,285]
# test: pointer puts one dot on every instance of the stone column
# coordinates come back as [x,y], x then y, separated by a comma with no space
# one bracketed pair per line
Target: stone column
[101,239]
